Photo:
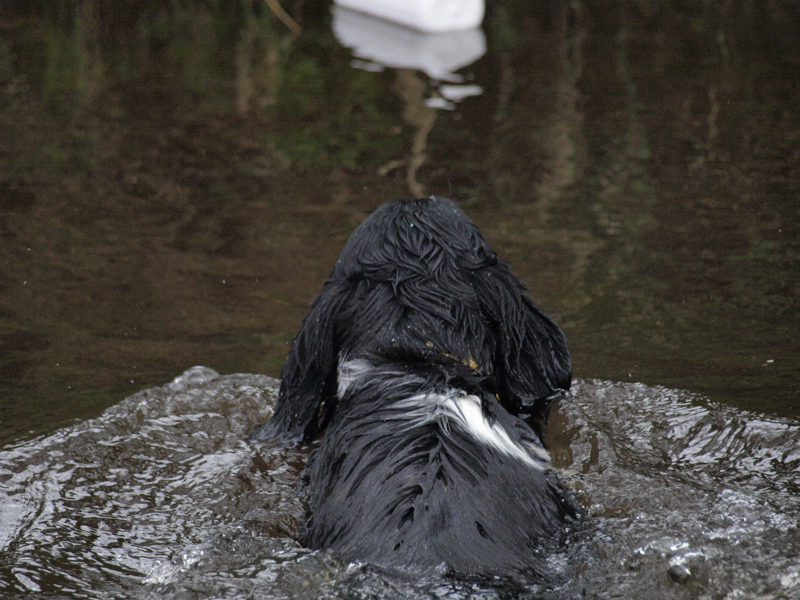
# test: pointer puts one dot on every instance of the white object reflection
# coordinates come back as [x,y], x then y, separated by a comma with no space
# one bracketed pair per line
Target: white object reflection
[432,16]
[388,44]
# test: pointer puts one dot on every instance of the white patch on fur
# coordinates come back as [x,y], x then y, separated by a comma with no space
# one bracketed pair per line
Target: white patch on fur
[538,451]
[350,371]
[465,410]
[456,407]
[494,434]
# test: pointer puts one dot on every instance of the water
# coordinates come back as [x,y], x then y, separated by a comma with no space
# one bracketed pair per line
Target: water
[162,496]
[178,178]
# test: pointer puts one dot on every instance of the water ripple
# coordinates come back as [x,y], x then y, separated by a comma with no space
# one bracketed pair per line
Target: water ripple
[163,496]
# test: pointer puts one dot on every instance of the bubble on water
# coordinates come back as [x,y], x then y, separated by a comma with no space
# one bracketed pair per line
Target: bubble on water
[26,582]
[194,377]
[686,565]
[791,580]
[168,571]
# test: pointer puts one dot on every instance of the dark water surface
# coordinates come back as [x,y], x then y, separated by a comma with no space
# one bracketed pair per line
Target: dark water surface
[177,179]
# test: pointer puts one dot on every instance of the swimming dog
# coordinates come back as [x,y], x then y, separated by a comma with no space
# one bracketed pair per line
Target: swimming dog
[421,363]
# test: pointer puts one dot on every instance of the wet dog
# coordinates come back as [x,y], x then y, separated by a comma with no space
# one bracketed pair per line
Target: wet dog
[423,360]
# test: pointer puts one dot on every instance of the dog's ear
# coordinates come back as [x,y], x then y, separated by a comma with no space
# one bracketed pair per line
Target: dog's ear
[544,349]
[532,361]
[308,381]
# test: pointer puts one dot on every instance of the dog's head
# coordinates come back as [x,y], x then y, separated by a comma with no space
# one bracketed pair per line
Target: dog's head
[418,274]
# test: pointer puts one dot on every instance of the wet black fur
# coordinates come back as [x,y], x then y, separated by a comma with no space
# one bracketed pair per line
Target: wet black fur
[418,293]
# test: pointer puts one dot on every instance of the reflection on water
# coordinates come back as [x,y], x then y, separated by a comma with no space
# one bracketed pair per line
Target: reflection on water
[438,55]
[161,497]
[177,180]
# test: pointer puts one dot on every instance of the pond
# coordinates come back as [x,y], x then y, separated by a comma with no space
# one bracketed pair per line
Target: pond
[177,180]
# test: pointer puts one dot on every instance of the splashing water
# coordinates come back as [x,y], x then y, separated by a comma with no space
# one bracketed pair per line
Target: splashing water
[163,496]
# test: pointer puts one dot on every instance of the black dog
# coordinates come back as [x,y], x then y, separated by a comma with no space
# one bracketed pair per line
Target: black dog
[415,359]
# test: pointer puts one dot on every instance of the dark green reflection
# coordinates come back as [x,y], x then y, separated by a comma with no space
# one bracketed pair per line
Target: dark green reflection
[177,179]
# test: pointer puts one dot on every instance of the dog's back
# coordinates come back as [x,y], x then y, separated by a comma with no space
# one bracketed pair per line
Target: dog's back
[422,468]
[416,357]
